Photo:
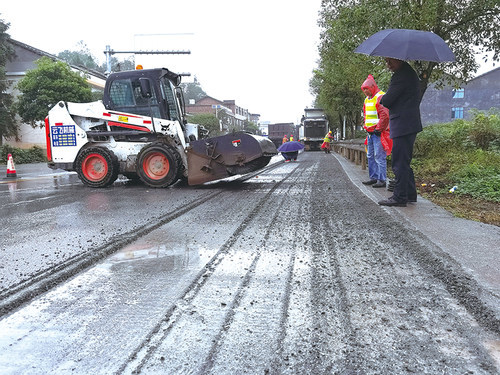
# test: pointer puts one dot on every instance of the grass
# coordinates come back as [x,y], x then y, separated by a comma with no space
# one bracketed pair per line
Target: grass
[467,207]
[465,154]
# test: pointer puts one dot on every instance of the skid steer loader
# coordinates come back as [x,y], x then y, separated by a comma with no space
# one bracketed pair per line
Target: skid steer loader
[140,130]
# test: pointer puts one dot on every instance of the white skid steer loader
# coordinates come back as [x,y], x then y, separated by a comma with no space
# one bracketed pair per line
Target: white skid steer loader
[140,130]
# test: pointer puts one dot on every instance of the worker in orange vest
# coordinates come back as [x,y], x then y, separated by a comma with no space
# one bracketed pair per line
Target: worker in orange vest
[285,139]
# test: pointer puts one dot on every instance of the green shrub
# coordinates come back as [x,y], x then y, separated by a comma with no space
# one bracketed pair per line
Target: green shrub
[435,139]
[461,153]
[485,130]
[22,156]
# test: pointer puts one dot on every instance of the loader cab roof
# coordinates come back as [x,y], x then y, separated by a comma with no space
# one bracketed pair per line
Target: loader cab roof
[150,73]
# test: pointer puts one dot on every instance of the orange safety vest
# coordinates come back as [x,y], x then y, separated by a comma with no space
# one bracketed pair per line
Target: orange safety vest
[285,139]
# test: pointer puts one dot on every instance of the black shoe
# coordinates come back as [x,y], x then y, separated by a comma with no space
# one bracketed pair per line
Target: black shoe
[392,202]
[369,182]
[379,185]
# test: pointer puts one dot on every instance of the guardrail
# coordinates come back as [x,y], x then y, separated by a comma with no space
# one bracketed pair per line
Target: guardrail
[353,150]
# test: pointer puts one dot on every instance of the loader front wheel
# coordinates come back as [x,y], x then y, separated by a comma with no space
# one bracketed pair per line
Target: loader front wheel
[97,167]
[157,165]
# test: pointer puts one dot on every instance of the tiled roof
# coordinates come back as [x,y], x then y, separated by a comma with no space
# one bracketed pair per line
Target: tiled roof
[53,57]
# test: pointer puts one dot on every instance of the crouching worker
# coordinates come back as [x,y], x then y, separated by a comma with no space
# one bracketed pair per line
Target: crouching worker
[378,142]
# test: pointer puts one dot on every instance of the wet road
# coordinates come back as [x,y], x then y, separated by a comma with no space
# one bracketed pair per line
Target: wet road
[292,271]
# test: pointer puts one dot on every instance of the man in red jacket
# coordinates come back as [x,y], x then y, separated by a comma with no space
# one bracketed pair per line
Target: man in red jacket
[378,142]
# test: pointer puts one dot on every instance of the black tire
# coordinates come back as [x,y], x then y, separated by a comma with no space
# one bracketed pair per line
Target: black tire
[97,167]
[158,165]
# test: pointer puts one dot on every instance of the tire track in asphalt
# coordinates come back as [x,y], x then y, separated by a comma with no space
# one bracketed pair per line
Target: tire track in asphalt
[140,357]
[41,282]
[320,326]
[402,317]
[252,332]
[49,278]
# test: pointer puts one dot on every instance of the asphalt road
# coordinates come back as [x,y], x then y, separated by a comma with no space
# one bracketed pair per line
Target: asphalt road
[293,271]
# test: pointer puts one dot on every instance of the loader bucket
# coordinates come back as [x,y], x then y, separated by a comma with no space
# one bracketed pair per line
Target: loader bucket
[220,157]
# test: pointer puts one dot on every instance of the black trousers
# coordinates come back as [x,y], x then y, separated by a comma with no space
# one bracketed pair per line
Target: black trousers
[402,153]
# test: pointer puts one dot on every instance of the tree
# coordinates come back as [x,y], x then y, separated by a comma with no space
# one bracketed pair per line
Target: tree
[8,126]
[209,121]
[193,90]
[118,65]
[51,82]
[81,57]
[84,58]
[251,127]
[467,26]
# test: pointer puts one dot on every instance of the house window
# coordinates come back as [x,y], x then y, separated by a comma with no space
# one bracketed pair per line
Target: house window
[458,93]
[457,112]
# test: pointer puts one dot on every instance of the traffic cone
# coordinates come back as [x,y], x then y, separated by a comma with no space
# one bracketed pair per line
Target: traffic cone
[11,169]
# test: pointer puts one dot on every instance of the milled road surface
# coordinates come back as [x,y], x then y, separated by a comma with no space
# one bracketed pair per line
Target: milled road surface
[294,271]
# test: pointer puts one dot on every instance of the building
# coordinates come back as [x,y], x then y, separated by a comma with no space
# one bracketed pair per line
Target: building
[24,60]
[450,103]
[254,117]
[234,115]
[264,127]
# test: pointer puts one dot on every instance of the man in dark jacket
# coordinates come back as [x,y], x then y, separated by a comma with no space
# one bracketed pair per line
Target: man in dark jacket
[403,101]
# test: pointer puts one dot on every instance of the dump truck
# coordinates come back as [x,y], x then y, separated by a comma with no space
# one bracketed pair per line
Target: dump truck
[279,130]
[314,127]
[140,130]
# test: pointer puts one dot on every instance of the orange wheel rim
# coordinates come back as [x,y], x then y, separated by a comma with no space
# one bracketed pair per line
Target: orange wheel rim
[95,167]
[156,166]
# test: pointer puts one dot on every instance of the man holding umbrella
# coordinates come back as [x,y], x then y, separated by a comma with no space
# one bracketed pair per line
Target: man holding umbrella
[403,101]
[403,97]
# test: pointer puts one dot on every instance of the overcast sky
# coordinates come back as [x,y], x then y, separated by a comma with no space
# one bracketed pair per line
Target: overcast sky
[260,53]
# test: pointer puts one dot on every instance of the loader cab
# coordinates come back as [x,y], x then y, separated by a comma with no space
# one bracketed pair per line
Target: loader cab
[149,92]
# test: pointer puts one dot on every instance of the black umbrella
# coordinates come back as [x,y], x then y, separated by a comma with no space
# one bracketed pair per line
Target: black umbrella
[403,44]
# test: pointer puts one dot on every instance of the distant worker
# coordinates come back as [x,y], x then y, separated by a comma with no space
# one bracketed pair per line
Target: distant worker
[285,139]
[326,142]
[291,137]
[378,142]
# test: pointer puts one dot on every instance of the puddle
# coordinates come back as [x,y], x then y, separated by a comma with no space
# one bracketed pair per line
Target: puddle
[138,251]
[183,255]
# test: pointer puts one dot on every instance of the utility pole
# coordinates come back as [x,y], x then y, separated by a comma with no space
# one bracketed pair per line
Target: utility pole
[108,52]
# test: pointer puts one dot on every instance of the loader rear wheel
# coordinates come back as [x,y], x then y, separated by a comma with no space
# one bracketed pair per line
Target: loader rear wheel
[97,167]
[157,165]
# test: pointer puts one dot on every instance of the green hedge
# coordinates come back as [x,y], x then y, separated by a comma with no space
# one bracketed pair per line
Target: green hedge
[22,156]
[462,153]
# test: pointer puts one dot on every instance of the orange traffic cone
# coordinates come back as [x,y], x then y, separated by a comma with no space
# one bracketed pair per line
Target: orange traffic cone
[11,169]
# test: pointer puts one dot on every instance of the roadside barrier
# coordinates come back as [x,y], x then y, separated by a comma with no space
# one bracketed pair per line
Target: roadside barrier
[355,152]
